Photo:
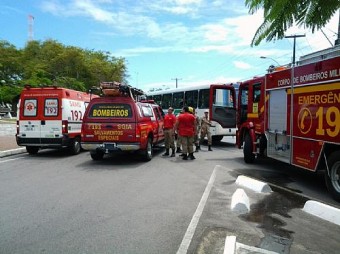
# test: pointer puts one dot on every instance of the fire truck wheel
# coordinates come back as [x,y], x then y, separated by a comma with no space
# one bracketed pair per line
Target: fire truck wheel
[147,153]
[248,155]
[32,149]
[333,179]
[96,155]
[75,147]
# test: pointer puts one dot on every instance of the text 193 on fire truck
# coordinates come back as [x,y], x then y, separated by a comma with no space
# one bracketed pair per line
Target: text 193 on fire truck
[50,117]
[293,115]
[122,122]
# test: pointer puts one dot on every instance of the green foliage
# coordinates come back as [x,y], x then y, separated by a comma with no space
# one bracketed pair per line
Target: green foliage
[279,15]
[51,63]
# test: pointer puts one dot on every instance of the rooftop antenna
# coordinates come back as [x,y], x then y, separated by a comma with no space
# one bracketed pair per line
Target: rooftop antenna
[30,27]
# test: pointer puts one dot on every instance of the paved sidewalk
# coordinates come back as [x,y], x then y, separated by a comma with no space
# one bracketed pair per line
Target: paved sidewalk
[8,144]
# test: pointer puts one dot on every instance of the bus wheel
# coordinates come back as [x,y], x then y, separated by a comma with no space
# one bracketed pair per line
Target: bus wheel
[32,149]
[75,147]
[96,155]
[216,138]
[148,152]
[248,155]
[333,179]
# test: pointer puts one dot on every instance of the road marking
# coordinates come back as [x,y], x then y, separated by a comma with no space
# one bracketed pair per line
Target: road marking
[11,160]
[183,248]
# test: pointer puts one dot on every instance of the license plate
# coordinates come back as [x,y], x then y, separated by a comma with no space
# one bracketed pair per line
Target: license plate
[110,146]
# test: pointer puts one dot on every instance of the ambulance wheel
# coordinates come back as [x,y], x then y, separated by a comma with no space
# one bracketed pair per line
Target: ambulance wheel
[333,179]
[75,147]
[97,155]
[248,155]
[32,149]
[148,152]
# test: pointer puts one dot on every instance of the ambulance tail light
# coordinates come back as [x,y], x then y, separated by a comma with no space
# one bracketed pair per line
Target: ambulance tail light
[18,127]
[64,125]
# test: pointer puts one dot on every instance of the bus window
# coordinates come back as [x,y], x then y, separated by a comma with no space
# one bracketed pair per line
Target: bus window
[203,101]
[178,99]
[158,99]
[167,98]
[191,98]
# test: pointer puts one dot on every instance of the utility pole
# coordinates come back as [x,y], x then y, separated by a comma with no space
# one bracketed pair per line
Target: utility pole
[30,27]
[337,41]
[176,81]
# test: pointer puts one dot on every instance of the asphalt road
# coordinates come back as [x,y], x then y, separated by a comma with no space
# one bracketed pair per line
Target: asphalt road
[56,203]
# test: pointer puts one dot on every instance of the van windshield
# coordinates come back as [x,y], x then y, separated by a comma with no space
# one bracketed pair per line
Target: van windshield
[109,110]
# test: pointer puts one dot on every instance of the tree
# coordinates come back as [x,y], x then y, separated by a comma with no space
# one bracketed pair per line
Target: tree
[279,15]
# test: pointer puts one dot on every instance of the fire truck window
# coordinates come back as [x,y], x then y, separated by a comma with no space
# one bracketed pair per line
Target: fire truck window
[51,107]
[147,111]
[30,107]
[203,101]
[244,105]
[256,93]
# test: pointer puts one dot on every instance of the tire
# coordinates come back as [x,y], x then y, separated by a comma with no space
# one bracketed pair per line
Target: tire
[96,155]
[248,155]
[333,180]
[216,139]
[148,152]
[75,148]
[32,149]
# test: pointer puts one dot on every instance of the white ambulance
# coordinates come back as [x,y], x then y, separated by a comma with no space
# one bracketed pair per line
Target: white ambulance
[51,117]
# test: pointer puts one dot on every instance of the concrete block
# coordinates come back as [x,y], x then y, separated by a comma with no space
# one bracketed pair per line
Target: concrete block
[253,184]
[240,202]
[323,211]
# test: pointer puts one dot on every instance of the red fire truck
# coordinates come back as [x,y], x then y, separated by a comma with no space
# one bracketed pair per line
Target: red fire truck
[293,115]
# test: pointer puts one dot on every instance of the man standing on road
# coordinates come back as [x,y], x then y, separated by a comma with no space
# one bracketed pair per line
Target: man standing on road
[185,126]
[169,124]
[205,129]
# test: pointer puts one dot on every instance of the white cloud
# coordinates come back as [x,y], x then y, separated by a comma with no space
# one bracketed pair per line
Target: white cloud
[242,65]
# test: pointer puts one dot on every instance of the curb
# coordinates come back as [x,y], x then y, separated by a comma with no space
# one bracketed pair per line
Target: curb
[253,184]
[323,211]
[12,152]
[316,208]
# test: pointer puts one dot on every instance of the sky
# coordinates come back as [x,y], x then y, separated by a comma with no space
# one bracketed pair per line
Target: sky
[164,42]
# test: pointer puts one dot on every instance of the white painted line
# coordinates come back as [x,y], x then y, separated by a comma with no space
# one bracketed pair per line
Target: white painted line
[240,202]
[253,184]
[183,248]
[4,161]
[323,211]
[242,248]
[230,245]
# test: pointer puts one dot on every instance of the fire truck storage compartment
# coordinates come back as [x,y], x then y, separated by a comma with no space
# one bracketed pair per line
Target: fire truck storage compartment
[278,140]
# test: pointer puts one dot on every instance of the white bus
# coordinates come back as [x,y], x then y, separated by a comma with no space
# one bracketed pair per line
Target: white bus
[219,99]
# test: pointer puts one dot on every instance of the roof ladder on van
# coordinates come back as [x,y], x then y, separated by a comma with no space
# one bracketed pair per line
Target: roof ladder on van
[119,89]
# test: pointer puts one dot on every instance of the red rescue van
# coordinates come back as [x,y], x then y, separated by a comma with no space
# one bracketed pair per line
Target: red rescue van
[50,117]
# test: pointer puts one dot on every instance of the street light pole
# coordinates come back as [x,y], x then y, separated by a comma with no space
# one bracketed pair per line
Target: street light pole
[265,57]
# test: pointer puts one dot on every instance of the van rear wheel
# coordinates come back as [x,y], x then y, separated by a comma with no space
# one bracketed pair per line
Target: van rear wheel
[32,149]
[75,147]
[97,155]
[148,152]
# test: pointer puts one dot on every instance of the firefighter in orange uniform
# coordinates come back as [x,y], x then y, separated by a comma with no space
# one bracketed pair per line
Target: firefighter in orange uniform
[169,124]
[185,126]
